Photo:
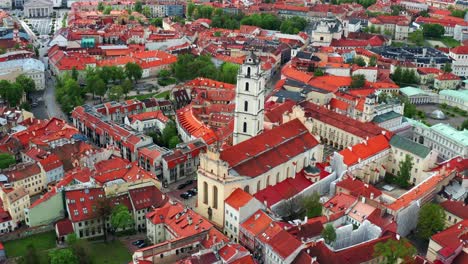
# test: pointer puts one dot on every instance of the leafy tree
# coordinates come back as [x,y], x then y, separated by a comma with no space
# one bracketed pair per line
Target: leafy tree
[127,86]
[121,218]
[396,9]
[62,256]
[74,73]
[26,83]
[103,209]
[228,72]
[6,160]
[393,250]
[173,142]
[318,72]
[293,25]
[424,13]
[382,98]
[100,87]
[116,93]
[359,61]
[329,234]
[417,37]
[101,6]
[464,125]
[404,172]
[217,34]
[447,67]
[433,30]
[72,239]
[157,22]
[373,61]
[397,74]
[107,10]
[31,256]
[68,93]
[312,205]
[146,11]
[133,71]
[358,81]
[265,21]
[190,8]
[409,110]
[431,220]
[14,94]
[138,6]
[458,13]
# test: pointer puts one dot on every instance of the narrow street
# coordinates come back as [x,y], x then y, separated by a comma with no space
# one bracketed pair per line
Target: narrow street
[47,105]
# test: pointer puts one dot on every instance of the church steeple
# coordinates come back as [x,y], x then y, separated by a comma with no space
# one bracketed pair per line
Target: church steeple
[250,97]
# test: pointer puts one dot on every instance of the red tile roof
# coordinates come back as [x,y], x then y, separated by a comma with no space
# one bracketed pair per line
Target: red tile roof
[175,218]
[64,227]
[238,198]
[365,150]
[283,190]
[272,148]
[452,238]
[447,77]
[231,252]
[22,171]
[457,208]
[256,223]
[147,197]
[81,203]
[460,50]
[149,116]
[284,244]
[358,188]
[342,122]
[274,114]
[340,203]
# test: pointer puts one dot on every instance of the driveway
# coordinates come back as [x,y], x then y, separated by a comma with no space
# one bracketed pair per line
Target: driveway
[127,241]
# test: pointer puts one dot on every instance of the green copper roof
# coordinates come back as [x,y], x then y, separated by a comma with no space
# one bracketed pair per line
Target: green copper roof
[412,91]
[385,117]
[459,136]
[410,146]
[462,94]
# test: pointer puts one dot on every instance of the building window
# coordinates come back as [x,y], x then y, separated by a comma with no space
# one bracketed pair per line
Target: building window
[268,180]
[205,193]
[247,189]
[215,197]
[244,128]
[258,186]
[248,74]
[246,106]
[247,86]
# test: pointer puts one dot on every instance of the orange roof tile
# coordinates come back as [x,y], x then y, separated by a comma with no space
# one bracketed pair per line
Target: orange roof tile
[238,198]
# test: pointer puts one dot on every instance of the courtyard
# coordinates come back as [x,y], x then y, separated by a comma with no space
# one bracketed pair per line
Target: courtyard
[42,25]
[453,118]
[112,252]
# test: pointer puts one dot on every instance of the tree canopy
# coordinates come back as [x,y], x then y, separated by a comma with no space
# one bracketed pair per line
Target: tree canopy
[358,81]
[431,220]
[189,67]
[329,234]
[393,250]
[68,93]
[404,76]
[312,205]
[6,160]
[121,218]
[433,30]
[133,71]
[404,172]
[62,256]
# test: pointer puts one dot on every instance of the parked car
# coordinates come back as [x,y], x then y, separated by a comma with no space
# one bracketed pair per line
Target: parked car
[138,242]
[142,245]
[185,195]
[181,186]
[192,192]
[188,182]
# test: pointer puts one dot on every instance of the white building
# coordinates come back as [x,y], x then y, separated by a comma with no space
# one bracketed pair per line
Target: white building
[250,99]
[460,60]
[6,4]
[147,121]
[455,98]
[239,206]
[38,8]
[32,68]
[448,141]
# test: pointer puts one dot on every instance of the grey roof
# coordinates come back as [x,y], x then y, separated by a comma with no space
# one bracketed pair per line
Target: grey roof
[410,146]
[385,117]
[284,94]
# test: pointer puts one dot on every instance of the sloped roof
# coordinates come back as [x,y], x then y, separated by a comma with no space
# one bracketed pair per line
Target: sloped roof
[410,146]
[238,198]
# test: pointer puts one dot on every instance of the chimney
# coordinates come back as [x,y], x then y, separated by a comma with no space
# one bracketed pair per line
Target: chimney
[384,132]
[189,220]
[372,196]
[257,216]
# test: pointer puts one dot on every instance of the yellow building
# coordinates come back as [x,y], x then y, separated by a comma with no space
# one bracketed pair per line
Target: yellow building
[15,200]
[253,164]
[27,175]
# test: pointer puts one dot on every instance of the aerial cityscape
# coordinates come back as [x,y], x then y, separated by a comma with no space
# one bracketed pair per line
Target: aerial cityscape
[234,131]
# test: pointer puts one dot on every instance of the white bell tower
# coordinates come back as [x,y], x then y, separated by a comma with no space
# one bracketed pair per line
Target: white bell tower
[250,99]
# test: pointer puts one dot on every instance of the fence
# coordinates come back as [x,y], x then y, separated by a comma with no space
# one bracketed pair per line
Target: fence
[26,232]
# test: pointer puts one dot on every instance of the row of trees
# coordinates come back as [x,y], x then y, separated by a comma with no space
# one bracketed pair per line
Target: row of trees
[189,67]
[364,3]
[220,19]
[13,92]
[404,77]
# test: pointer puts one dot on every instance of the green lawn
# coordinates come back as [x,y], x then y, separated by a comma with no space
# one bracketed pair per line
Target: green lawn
[450,42]
[149,95]
[44,241]
[109,253]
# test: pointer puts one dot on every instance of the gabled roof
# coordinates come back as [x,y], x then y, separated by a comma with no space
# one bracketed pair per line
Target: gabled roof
[358,188]
[284,244]
[147,197]
[410,146]
[367,149]
[257,223]
[452,238]
[238,198]
[457,208]
[272,148]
